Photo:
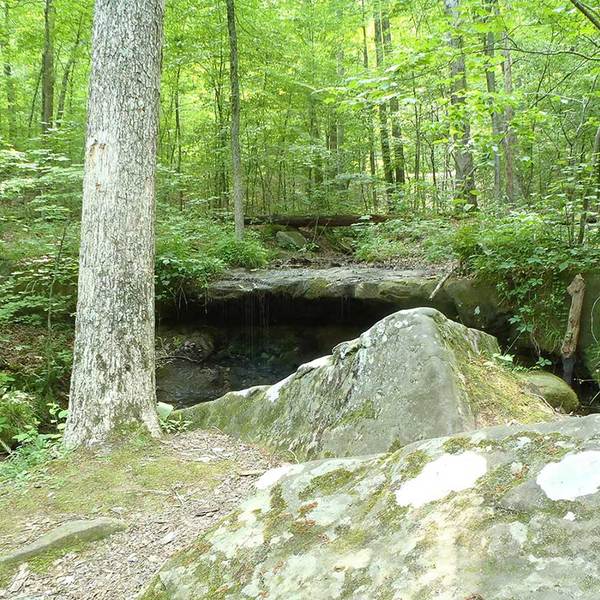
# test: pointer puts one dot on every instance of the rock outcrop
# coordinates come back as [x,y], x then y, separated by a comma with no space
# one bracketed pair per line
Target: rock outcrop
[497,514]
[414,375]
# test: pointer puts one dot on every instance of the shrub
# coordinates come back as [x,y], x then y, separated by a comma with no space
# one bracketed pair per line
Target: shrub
[16,416]
[530,259]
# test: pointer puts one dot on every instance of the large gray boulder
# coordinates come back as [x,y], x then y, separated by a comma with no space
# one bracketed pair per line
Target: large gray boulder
[501,514]
[414,375]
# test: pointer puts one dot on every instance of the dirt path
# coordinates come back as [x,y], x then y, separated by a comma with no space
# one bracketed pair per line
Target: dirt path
[119,567]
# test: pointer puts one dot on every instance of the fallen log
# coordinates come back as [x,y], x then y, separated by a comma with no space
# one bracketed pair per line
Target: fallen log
[317,220]
[569,346]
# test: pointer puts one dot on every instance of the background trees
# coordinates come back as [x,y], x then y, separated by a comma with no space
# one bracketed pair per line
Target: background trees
[425,102]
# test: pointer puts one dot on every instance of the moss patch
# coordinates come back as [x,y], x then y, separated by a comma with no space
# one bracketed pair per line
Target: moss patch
[497,395]
[327,484]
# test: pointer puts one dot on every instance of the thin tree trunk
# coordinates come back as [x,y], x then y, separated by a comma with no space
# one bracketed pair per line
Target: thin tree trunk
[463,158]
[509,139]
[595,191]
[369,112]
[237,174]
[383,115]
[64,86]
[11,108]
[489,45]
[48,68]
[397,143]
[178,134]
[113,382]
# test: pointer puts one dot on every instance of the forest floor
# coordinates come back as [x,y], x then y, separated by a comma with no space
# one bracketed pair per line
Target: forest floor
[167,492]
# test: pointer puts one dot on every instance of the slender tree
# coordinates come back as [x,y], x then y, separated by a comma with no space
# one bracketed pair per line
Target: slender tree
[489,47]
[463,157]
[384,134]
[112,385]
[509,142]
[237,174]
[11,104]
[397,142]
[67,74]
[48,68]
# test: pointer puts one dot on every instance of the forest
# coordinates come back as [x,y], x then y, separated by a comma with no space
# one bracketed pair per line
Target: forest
[201,203]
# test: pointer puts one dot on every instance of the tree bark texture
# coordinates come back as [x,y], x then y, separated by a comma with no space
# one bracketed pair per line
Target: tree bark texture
[463,157]
[236,153]
[48,68]
[112,385]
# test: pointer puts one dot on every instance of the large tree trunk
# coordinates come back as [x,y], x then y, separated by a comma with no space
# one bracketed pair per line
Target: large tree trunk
[11,107]
[463,158]
[48,68]
[237,173]
[112,385]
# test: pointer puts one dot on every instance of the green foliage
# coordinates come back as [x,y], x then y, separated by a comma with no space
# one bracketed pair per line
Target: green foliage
[17,415]
[193,249]
[530,260]
[425,240]
[35,449]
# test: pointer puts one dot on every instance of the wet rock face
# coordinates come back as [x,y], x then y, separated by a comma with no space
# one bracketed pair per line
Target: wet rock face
[414,375]
[503,513]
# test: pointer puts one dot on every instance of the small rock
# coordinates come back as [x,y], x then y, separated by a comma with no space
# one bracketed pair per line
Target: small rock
[65,535]
[290,240]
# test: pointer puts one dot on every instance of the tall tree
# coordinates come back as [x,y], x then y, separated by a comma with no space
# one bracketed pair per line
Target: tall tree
[237,174]
[48,67]
[397,143]
[67,74]
[509,140]
[489,47]
[113,385]
[463,157]
[11,108]
[368,109]
[383,111]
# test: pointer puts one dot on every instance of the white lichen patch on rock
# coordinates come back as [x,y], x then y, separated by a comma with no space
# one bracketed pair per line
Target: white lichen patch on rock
[318,363]
[272,476]
[449,473]
[576,475]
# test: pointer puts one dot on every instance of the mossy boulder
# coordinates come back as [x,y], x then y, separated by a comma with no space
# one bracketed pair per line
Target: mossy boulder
[290,240]
[556,392]
[414,375]
[501,513]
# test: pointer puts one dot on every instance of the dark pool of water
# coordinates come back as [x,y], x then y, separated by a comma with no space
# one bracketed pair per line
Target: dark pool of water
[243,356]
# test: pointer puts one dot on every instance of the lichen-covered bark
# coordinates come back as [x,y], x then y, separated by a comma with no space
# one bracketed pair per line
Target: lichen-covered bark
[113,372]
